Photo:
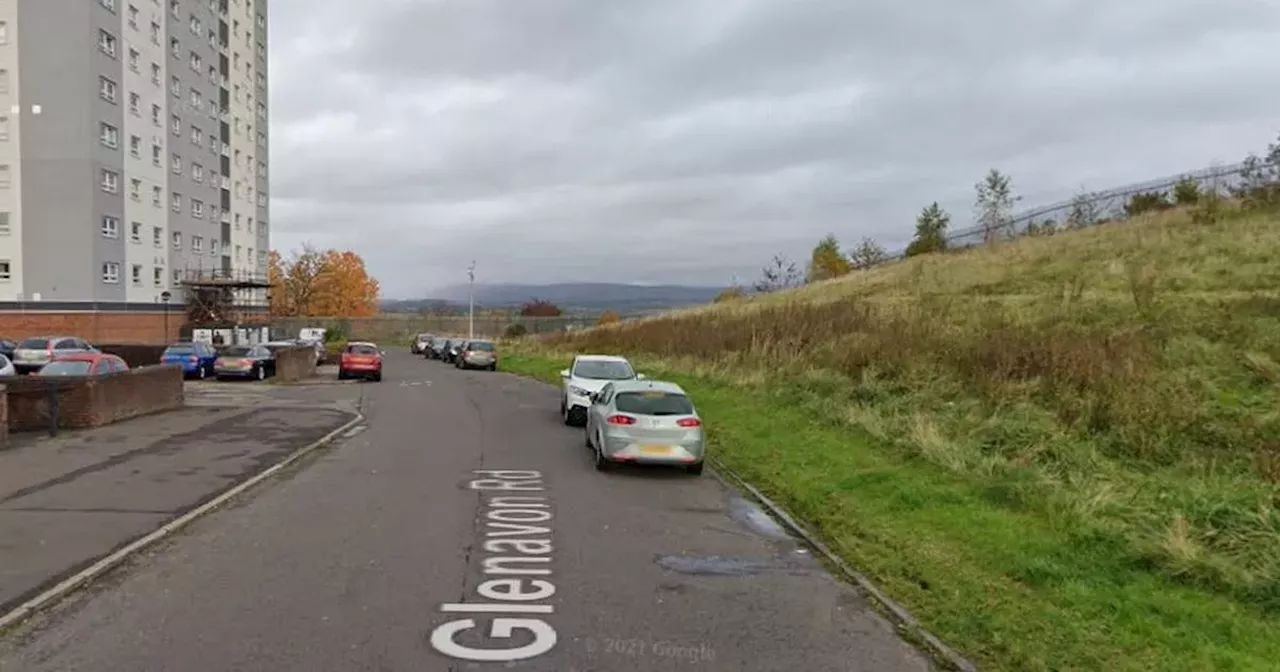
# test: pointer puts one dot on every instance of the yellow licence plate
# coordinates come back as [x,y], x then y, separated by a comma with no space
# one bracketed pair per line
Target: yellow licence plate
[655,450]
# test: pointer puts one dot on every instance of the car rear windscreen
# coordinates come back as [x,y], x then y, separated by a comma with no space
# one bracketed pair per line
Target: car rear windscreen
[603,370]
[236,351]
[66,368]
[653,402]
[479,346]
[180,350]
[34,344]
[362,350]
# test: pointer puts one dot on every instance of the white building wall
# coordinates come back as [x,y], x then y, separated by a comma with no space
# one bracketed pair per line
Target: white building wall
[244,128]
[146,185]
[10,158]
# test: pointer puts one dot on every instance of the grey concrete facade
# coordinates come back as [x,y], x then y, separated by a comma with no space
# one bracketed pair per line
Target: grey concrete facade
[264,137]
[194,102]
[62,77]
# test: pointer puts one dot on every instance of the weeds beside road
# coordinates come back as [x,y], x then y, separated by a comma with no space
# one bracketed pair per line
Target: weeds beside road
[1059,453]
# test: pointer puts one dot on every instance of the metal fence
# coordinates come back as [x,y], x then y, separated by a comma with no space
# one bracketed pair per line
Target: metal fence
[1103,206]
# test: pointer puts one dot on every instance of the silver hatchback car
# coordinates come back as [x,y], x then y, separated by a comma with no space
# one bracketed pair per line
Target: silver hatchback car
[645,422]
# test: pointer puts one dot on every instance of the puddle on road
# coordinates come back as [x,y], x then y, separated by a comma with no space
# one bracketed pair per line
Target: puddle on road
[751,515]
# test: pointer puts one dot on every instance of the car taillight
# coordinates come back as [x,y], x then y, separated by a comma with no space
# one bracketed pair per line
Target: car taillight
[193,359]
[620,420]
[689,422]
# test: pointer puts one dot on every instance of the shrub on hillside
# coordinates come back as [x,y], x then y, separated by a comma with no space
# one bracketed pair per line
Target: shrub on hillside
[540,308]
[608,317]
[729,294]
[515,331]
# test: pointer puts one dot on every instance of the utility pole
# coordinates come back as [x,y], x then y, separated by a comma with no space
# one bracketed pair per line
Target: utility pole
[471,300]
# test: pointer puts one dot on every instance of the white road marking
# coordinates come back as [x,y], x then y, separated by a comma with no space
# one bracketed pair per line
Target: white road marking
[508,530]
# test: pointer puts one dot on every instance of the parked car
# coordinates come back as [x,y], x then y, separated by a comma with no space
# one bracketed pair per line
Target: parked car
[645,422]
[83,364]
[7,347]
[420,343]
[244,361]
[478,354]
[361,360]
[6,367]
[33,353]
[196,359]
[589,374]
[435,350]
[451,350]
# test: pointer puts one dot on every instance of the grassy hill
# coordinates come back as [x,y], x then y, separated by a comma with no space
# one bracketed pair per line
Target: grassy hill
[1060,452]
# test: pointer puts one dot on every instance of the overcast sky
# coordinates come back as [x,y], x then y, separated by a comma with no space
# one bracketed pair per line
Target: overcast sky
[686,141]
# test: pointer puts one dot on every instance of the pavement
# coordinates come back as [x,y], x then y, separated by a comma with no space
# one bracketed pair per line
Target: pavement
[465,529]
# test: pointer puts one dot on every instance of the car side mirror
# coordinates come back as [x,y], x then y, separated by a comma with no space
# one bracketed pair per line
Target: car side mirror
[641,376]
[564,373]
[594,397]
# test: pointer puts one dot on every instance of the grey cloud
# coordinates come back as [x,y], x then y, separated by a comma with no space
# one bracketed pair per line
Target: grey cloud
[688,140]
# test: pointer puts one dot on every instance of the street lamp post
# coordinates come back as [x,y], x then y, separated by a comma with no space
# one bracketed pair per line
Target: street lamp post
[164,298]
[471,300]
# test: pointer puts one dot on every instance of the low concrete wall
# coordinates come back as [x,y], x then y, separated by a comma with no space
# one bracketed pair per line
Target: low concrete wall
[4,416]
[134,354]
[33,403]
[296,363]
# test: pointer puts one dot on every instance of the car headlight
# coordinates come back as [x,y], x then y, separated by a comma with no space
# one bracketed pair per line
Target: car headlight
[578,391]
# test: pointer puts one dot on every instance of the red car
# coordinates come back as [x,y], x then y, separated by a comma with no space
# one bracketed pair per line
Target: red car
[361,360]
[83,364]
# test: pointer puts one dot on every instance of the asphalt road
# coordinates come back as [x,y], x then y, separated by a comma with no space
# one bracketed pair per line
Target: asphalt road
[465,490]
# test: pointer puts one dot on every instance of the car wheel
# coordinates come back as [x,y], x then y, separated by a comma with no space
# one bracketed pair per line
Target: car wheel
[493,367]
[564,414]
[694,469]
[377,377]
[262,373]
[342,375]
[590,444]
[602,464]
[201,372]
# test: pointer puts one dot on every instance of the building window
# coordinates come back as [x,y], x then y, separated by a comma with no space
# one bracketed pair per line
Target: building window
[175,202]
[213,248]
[133,59]
[173,9]
[195,26]
[156,152]
[134,100]
[238,250]
[6,270]
[177,240]
[111,272]
[110,227]
[108,135]
[176,164]
[108,4]
[213,75]
[155,74]
[197,209]
[4,176]
[175,86]
[156,196]
[197,100]
[197,136]
[135,187]
[175,124]
[157,237]
[136,274]
[4,223]
[133,17]
[197,244]
[107,43]
[197,172]
[110,181]
[155,33]
[135,232]
[155,115]
[262,200]
[157,276]
[107,89]
[197,63]
[175,47]
[4,128]
[177,276]
[237,221]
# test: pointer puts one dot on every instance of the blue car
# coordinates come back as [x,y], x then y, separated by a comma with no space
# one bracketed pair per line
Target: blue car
[196,359]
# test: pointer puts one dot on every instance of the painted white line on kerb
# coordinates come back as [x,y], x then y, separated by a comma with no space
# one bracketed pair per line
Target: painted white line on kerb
[119,557]
[354,430]
[517,530]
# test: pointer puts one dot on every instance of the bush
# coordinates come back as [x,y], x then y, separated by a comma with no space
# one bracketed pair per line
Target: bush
[515,331]
[608,317]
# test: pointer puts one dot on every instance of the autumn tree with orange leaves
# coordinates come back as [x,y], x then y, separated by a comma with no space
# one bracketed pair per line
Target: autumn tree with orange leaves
[321,283]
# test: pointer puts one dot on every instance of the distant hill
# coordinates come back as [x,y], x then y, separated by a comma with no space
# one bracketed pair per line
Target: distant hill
[568,296]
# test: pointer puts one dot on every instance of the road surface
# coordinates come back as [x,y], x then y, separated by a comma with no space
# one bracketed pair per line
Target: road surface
[466,529]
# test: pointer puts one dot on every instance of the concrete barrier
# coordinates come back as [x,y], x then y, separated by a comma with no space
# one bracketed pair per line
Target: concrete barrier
[33,403]
[297,363]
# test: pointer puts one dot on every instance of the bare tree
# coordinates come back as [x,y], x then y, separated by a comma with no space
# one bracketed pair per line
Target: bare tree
[781,273]
[994,205]
[1084,211]
[868,253]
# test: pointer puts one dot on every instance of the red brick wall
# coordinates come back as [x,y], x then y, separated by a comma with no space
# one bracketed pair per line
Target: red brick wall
[92,402]
[95,327]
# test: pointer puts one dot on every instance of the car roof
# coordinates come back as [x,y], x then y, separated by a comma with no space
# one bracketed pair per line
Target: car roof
[368,343]
[646,385]
[81,356]
[601,358]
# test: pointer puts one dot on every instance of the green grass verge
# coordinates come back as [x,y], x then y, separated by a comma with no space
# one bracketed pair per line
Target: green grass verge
[1002,585]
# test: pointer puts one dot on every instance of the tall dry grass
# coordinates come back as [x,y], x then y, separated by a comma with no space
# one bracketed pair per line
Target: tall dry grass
[1123,379]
